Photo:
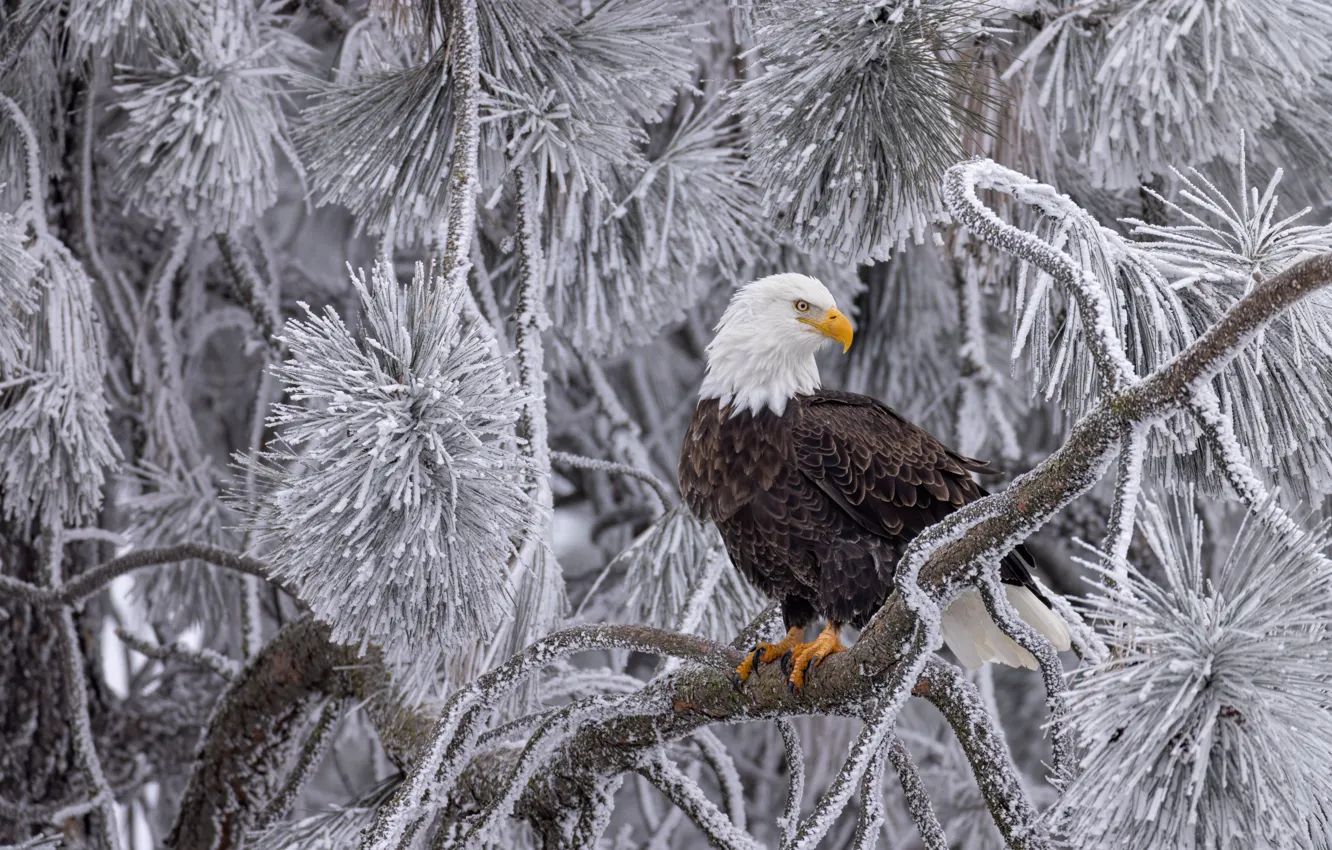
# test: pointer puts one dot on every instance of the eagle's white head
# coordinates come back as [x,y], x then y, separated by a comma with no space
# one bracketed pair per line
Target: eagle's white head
[764,350]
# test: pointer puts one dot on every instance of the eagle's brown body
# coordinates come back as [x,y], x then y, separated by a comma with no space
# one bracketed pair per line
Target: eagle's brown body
[817,504]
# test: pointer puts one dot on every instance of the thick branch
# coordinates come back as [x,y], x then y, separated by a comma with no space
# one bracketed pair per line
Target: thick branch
[252,734]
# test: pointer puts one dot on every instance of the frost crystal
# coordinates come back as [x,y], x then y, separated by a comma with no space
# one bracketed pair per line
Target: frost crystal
[395,499]
[1211,729]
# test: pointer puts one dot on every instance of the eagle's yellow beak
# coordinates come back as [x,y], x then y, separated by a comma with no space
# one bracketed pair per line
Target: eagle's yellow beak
[837,327]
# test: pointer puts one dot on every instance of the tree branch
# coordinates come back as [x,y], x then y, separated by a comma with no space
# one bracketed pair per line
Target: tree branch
[252,734]
[689,798]
[795,787]
[581,462]
[917,798]
[86,584]
[203,657]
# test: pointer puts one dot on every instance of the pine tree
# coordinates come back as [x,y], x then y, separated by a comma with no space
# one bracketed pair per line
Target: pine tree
[347,346]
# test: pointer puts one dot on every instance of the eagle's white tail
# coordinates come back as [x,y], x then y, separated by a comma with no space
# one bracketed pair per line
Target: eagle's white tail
[975,638]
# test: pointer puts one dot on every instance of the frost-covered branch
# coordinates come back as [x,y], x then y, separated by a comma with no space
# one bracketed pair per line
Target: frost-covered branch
[312,752]
[205,658]
[689,797]
[917,798]
[465,66]
[728,778]
[1052,671]
[91,581]
[871,804]
[598,465]
[795,782]
[252,735]
[249,289]
[960,185]
[1128,487]
[982,739]
[76,694]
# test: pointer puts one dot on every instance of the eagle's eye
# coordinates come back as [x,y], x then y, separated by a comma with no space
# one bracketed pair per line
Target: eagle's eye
[802,306]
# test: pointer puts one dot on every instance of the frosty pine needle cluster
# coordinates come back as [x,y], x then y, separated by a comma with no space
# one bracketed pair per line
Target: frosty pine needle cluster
[396,500]
[1210,726]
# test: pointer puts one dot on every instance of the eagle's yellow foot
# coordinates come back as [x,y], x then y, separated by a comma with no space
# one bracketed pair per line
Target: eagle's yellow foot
[807,655]
[765,653]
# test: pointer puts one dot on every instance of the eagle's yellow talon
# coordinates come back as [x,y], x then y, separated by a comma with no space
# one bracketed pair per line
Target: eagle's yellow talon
[807,655]
[765,653]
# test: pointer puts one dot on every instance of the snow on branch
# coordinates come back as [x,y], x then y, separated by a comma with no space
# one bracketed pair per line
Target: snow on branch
[689,797]
[1052,671]
[93,580]
[205,658]
[580,462]
[960,186]
[795,783]
[917,798]
[450,744]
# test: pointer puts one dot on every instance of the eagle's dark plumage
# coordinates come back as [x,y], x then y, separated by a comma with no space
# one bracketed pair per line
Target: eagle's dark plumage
[817,504]
[817,493]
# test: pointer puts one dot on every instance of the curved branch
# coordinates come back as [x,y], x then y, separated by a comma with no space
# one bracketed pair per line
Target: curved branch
[252,733]
[917,798]
[795,787]
[312,752]
[689,798]
[1052,672]
[205,658]
[728,779]
[86,584]
[581,462]
[869,823]
[983,742]
[1128,484]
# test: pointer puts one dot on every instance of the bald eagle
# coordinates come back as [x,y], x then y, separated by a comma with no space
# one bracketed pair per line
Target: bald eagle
[817,492]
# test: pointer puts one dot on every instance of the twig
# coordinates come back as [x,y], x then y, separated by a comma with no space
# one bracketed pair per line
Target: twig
[1052,671]
[795,784]
[917,798]
[561,724]
[728,779]
[1128,484]
[530,321]
[960,185]
[582,462]
[250,290]
[90,582]
[870,822]
[982,740]
[626,435]
[76,693]
[203,657]
[443,760]
[464,66]
[312,753]
[689,798]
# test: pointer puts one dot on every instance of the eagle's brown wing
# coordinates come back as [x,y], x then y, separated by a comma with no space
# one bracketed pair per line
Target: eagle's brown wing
[894,478]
